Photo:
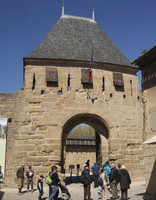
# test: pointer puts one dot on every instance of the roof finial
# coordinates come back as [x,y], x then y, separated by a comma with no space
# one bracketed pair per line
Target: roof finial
[62,7]
[93,16]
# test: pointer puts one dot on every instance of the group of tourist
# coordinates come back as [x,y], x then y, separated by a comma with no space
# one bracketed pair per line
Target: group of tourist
[103,177]
[53,184]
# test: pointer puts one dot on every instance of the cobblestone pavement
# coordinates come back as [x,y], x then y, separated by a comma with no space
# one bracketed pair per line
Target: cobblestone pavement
[136,192]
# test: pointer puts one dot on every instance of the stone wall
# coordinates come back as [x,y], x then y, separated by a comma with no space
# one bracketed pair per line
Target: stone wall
[38,119]
[149,85]
[149,113]
[150,168]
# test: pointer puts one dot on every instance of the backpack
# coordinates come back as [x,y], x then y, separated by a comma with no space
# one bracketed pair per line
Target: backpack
[82,179]
[100,182]
[47,179]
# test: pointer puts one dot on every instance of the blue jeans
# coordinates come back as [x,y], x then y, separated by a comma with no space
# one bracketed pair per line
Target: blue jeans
[41,192]
[55,191]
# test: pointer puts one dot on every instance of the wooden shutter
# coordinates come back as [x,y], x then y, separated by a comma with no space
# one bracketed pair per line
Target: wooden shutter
[85,77]
[118,79]
[51,75]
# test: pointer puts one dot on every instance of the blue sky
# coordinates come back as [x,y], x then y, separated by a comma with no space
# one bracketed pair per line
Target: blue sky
[24,23]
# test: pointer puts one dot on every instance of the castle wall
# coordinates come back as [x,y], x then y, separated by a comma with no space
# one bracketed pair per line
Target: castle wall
[149,86]
[35,133]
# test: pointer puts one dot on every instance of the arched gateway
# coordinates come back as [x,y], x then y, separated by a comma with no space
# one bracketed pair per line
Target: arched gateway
[101,141]
[62,88]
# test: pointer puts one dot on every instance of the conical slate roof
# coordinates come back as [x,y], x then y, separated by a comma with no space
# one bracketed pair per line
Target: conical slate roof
[73,38]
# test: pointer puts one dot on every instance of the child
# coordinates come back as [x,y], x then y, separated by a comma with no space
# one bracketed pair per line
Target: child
[1,178]
[40,187]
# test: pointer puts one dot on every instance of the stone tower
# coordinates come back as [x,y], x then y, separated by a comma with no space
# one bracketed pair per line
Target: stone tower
[58,95]
[147,64]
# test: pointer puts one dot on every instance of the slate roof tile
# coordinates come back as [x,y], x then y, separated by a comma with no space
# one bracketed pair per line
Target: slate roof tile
[73,38]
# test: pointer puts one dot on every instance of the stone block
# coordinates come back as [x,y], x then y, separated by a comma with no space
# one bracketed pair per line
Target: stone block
[38,158]
[54,132]
[42,128]
[48,148]
[33,153]
[53,141]
[24,147]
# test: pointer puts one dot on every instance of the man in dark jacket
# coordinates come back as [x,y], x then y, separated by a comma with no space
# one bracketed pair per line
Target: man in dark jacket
[113,180]
[125,181]
[87,182]
[20,177]
[54,183]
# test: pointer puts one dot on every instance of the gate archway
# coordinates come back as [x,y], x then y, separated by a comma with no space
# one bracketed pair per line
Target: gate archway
[102,135]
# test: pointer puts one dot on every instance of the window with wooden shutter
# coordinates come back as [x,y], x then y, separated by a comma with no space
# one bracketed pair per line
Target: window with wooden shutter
[118,79]
[51,75]
[85,77]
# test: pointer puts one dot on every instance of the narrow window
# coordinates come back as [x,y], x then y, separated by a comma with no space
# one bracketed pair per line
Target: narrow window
[111,95]
[34,81]
[103,85]
[68,87]
[131,88]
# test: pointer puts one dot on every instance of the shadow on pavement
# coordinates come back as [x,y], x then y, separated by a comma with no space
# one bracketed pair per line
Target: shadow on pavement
[1,195]
[146,196]
[25,191]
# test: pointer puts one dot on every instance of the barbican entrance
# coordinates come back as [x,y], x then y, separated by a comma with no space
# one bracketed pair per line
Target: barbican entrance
[77,150]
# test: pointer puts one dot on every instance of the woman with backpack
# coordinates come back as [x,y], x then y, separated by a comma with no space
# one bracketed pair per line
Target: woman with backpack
[102,188]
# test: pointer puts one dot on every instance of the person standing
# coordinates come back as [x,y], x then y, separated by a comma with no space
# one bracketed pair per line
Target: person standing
[113,180]
[118,186]
[40,187]
[54,183]
[107,169]
[86,182]
[104,182]
[29,176]
[95,171]
[88,163]
[125,181]
[20,177]
[2,180]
